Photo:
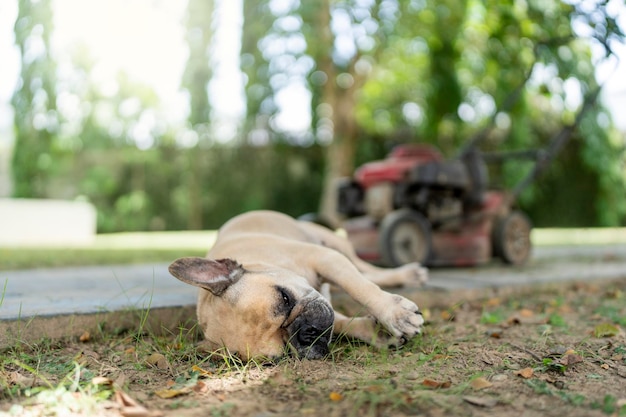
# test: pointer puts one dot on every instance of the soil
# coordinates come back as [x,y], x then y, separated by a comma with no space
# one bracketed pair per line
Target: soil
[551,352]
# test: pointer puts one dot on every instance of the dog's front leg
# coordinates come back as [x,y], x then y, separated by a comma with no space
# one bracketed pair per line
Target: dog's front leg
[400,316]
[366,329]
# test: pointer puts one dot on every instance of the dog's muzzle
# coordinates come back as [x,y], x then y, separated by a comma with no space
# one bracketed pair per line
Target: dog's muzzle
[311,331]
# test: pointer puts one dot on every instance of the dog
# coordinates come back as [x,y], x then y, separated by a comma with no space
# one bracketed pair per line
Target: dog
[264,290]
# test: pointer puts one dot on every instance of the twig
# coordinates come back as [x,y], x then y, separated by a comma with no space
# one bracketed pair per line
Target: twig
[523,349]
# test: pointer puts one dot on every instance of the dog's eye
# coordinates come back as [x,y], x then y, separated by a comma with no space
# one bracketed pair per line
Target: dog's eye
[286,298]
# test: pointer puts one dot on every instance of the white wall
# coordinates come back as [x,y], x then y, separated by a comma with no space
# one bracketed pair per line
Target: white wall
[31,222]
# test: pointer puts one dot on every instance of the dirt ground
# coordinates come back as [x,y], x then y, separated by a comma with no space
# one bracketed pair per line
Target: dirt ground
[550,352]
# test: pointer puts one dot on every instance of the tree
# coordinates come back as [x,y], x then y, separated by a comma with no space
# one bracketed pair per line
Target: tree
[328,46]
[500,47]
[198,22]
[34,101]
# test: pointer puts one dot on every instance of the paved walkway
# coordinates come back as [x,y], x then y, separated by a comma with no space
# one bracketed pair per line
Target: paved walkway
[62,291]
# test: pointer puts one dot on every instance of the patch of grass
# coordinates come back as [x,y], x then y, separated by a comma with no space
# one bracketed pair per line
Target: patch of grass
[433,373]
[492,317]
[612,312]
[12,259]
[609,406]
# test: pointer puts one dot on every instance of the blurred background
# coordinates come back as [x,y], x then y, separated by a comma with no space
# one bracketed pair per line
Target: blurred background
[173,115]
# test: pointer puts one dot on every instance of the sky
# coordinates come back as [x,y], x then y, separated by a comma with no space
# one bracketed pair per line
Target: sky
[156,55]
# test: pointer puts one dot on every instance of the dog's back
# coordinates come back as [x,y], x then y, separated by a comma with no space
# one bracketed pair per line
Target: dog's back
[266,223]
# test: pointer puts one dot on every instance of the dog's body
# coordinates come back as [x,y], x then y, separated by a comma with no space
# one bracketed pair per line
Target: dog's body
[261,282]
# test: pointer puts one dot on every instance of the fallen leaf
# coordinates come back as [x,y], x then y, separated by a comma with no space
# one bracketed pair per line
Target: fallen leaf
[526,313]
[605,330]
[605,366]
[124,399]
[101,380]
[615,294]
[16,378]
[130,350]
[570,359]
[494,333]
[200,371]
[335,396]
[480,401]
[157,360]
[447,316]
[200,387]
[493,302]
[525,373]
[171,393]
[480,383]
[85,337]
[436,384]
[135,411]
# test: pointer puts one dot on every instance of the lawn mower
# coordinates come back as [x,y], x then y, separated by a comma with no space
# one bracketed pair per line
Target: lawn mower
[416,206]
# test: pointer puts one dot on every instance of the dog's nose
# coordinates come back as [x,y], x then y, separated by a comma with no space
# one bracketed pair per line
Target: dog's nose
[307,335]
[311,331]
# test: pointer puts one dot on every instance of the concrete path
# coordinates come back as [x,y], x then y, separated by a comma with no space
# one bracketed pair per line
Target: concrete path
[83,290]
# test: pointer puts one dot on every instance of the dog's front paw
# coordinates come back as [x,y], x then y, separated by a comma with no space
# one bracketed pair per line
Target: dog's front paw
[416,275]
[402,318]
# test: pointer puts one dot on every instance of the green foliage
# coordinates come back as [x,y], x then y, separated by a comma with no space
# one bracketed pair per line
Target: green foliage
[379,73]
[198,71]
[34,101]
[159,189]
[453,68]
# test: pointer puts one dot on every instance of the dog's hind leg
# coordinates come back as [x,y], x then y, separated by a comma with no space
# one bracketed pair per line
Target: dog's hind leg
[412,274]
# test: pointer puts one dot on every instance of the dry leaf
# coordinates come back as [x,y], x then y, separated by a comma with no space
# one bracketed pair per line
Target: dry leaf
[605,366]
[570,359]
[200,387]
[605,330]
[130,407]
[436,384]
[447,316]
[335,396]
[493,302]
[135,411]
[480,401]
[16,378]
[495,333]
[101,380]
[480,383]
[526,313]
[157,360]
[525,373]
[171,393]
[85,337]
[202,372]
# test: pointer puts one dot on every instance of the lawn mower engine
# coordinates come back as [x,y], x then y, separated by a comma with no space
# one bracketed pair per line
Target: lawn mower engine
[414,206]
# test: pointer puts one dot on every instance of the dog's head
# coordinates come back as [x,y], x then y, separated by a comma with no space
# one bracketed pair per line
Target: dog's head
[257,311]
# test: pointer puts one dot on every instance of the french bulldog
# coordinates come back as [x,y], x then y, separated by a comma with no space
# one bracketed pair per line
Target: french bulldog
[264,290]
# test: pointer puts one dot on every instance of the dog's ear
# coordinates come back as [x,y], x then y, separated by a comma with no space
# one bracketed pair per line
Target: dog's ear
[212,275]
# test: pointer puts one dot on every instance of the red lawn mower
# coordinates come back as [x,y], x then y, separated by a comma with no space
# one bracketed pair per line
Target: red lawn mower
[414,206]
